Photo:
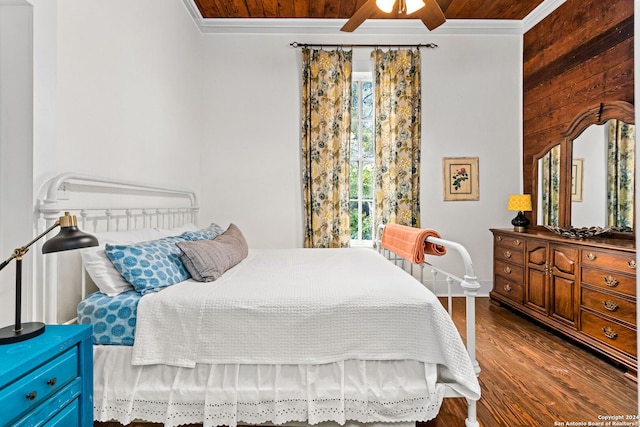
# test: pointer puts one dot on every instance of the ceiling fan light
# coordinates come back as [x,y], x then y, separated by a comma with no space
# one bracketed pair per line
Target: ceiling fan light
[414,5]
[386,5]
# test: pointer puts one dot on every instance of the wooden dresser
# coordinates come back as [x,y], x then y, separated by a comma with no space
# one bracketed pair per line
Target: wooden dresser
[584,289]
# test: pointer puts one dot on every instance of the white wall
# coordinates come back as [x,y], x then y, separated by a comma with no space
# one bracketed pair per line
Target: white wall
[471,107]
[16,134]
[104,88]
[129,91]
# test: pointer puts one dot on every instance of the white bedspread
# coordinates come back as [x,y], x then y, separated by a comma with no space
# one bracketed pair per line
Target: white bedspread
[302,306]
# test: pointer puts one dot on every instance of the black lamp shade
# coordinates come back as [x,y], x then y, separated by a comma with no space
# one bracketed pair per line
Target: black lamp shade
[69,238]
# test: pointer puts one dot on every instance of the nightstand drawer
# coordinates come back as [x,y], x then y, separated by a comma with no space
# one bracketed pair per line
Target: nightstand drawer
[36,386]
[611,281]
[609,305]
[67,417]
[610,333]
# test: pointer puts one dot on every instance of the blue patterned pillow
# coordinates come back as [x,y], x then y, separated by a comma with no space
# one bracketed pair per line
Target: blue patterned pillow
[154,265]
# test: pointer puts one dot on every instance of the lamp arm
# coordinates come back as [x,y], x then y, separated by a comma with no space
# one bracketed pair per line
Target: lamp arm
[19,252]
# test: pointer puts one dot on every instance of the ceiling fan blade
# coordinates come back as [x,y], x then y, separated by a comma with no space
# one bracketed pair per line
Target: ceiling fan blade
[431,14]
[444,4]
[365,11]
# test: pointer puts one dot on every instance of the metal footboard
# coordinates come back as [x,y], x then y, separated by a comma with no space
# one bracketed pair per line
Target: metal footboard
[470,287]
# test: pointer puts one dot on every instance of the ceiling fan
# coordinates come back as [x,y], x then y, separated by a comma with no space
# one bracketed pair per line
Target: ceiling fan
[430,12]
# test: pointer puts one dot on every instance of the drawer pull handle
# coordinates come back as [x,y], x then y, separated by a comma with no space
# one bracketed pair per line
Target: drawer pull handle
[610,305]
[52,382]
[632,264]
[499,238]
[517,242]
[609,333]
[32,395]
[507,254]
[507,270]
[507,287]
[591,256]
[610,281]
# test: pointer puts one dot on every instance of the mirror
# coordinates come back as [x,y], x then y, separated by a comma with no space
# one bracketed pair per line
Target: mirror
[549,187]
[587,179]
[602,176]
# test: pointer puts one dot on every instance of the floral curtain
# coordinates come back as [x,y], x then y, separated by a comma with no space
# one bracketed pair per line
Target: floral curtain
[397,136]
[620,173]
[326,121]
[550,190]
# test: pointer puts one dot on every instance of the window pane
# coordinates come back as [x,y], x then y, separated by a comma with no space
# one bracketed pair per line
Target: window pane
[353,181]
[367,100]
[355,149]
[367,139]
[354,99]
[367,220]
[367,180]
[353,219]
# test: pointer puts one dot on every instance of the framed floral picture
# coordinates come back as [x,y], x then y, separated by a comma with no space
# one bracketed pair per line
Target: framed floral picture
[460,177]
[576,180]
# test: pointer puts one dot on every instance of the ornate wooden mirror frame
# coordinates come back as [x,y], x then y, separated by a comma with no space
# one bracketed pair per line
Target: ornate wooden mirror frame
[596,115]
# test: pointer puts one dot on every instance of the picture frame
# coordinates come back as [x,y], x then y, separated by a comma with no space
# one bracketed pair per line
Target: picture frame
[460,178]
[577,178]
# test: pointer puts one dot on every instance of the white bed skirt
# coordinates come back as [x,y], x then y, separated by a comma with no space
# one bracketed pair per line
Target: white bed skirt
[340,392]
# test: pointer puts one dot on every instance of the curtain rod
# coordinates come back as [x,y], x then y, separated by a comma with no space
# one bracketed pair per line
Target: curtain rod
[428,45]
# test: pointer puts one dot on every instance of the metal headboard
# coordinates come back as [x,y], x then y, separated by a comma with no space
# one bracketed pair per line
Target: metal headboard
[101,204]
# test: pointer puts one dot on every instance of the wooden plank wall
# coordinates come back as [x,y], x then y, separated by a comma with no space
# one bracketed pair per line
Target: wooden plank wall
[577,57]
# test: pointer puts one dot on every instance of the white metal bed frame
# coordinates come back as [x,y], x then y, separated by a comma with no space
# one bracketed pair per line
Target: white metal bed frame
[148,207]
[108,214]
[470,287]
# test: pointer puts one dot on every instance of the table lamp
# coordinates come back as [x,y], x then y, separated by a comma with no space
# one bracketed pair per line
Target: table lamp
[520,203]
[69,237]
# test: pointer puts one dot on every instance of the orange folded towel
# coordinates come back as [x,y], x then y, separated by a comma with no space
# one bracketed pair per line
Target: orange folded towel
[410,243]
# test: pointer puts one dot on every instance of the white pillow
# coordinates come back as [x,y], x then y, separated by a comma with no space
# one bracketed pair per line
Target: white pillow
[103,273]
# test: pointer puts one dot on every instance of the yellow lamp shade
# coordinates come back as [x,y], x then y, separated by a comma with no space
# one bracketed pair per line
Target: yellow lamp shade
[519,202]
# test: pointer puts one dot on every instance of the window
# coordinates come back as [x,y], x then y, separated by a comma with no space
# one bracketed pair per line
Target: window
[361,178]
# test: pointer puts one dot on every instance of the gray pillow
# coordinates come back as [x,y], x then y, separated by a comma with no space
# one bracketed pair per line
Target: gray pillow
[206,260]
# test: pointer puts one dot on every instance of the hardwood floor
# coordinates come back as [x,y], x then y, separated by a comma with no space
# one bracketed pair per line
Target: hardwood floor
[532,377]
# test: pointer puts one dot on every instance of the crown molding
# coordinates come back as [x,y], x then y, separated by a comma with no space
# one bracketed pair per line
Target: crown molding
[543,10]
[370,26]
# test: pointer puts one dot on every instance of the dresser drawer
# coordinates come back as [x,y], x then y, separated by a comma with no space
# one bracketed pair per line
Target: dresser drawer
[510,289]
[506,253]
[509,242]
[608,280]
[609,305]
[622,262]
[38,385]
[609,333]
[510,271]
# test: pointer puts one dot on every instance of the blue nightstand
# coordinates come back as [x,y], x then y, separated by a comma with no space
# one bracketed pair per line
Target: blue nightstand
[48,380]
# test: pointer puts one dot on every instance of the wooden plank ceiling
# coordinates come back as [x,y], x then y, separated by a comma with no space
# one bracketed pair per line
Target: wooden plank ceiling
[343,9]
